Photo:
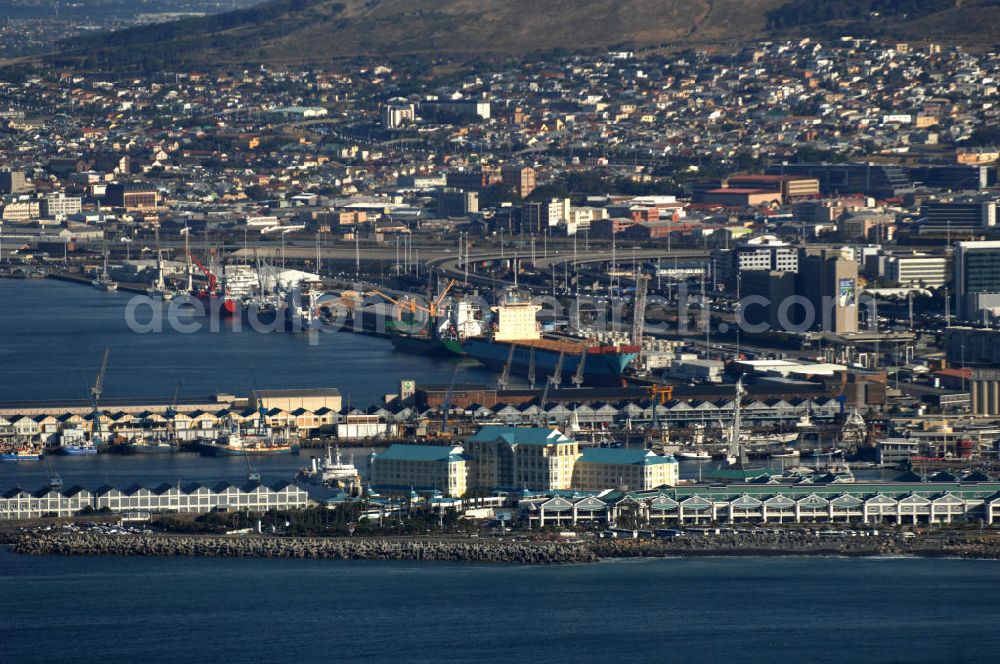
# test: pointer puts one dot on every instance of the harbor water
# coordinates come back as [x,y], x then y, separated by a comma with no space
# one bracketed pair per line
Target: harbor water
[53,335]
[733,610]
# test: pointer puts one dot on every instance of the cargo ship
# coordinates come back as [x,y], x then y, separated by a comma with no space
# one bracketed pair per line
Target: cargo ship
[515,338]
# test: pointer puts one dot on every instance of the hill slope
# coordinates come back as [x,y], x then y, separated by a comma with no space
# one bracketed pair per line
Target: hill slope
[314,31]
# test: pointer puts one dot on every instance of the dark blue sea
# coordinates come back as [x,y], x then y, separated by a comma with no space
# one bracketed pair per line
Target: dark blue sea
[712,610]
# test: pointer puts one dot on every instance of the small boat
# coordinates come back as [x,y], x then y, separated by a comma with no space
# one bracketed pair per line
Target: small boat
[805,421]
[104,283]
[149,447]
[787,453]
[21,454]
[694,455]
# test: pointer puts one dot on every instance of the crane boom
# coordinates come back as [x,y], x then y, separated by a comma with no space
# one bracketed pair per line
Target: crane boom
[577,379]
[98,387]
[208,273]
[505,374]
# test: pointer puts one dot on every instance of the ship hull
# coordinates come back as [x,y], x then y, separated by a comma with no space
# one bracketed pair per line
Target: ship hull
[20,457]
[76,450]
[209,449]
[409,343]
[605,368]
[149,449]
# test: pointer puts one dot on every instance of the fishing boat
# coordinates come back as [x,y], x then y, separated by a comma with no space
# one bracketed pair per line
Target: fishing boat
[21,454]
[236,443]
[103,282]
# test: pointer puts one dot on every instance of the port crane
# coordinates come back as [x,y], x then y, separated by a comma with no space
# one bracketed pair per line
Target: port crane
[577,378]
[408,303]
[639,309]
[505,374]
[212,280]
[446,405]
[554,379]
[95,396]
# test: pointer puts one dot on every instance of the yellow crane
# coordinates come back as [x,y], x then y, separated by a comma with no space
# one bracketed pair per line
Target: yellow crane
[408,303]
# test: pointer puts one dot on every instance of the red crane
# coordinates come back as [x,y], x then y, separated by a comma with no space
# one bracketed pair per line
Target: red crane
[208,273]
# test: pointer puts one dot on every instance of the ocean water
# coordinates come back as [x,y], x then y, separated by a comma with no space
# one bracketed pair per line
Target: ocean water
[53,335]
[708,610]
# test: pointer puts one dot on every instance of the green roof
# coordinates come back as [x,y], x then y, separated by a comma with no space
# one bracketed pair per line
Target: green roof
[623,456]
[518,435]
[419,453]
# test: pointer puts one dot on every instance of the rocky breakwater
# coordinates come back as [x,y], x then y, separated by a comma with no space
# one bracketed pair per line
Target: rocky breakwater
[486,551]
[803,544]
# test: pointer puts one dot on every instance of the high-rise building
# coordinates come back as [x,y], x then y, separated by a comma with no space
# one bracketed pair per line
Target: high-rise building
[766,253]
[520,178]
[977,277]
[829,280]
[958,216]
[13,182]
[917,269]
[59,206]
[767,299]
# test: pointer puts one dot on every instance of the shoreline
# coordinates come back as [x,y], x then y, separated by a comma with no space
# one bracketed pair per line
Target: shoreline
[517,552]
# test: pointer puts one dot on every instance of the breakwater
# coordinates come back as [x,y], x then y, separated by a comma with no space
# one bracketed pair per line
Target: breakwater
[516,552]
[526,552]
[953,545]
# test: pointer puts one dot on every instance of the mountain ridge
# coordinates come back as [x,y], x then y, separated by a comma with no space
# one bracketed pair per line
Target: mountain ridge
[318,31]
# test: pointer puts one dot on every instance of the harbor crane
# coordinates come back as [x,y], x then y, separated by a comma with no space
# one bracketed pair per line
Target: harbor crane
[95,396]
[554,379]
[446,405]
[504,376]
[408,303]
[577,378]
[639,309]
